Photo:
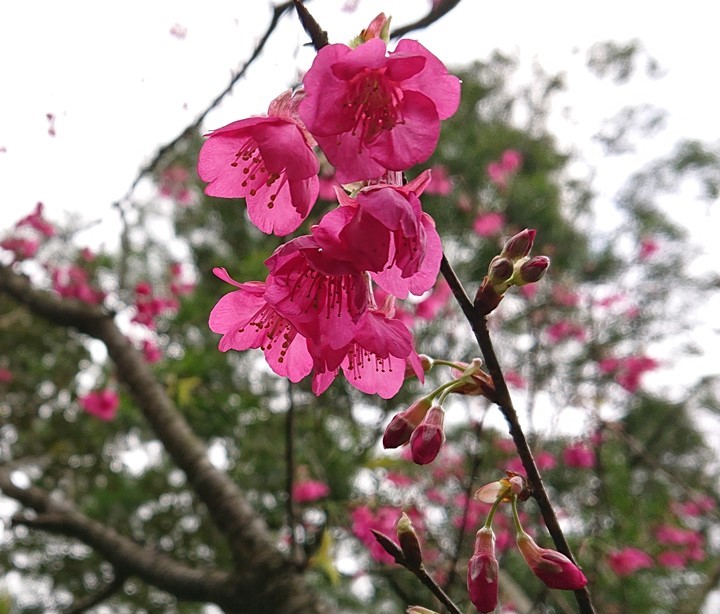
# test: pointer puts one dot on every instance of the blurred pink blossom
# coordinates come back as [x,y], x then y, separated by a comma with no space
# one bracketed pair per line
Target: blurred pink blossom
[579,456]
[627,561]
[440,184]
[6,375]
[309,491]
[648,247]
[489,224]
[500,172]
[102,404]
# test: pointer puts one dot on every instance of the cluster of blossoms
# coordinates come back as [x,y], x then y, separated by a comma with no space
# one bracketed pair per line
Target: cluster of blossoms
[552,567]
[373,114]
[102,404]
[29,234]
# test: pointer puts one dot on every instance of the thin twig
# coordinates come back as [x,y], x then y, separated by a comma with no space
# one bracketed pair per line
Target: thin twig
[278,12]
[290,472]
[439,10]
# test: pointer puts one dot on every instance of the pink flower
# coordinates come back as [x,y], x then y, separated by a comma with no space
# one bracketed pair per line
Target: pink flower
[102,404]
[38,222]
[22,248]
[375,360]
[677,536]
[72,282]
[384,230]
[371,112]
[489,224]
[627,561]
[383,519]
[671,559]
[501,172]
[151,351]
[553,568]
[648,246]
[441,183]
[174,183]
[267,160]
[6,376]
[513,378]
[482,575]
[565,329]
[579,456]
[429,308]
[309,491]
[428,437]
[246,320]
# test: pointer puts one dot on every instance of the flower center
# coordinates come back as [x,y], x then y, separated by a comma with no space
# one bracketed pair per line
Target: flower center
[372,103]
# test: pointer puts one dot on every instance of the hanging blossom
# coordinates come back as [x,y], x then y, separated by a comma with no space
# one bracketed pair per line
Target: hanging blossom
[371,111]
[102,404]
[269,161]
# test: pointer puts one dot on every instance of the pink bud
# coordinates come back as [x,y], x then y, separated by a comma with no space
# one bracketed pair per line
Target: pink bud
[519,245]
[553,568]
[500,270]
[427,439]
[402,425]
[482,576]
[533,270]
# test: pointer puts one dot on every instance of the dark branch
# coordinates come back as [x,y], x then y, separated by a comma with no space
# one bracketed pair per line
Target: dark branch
[278,12]
[318,36]
[258,563]
[439,10]
[478,323]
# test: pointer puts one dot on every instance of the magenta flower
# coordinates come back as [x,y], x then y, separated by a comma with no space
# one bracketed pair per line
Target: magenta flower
[269,161]
[579,456]
[502,171]
[566,329]
[21,247]
[375,360]
[489,224]
[38,222]
[384,230]
[322,294]
[102,404]
[371,112]
[429,308]
[441,183]
[246,320]
[627,561]
[309,491]
[6,376]
[553,568]
[482,575]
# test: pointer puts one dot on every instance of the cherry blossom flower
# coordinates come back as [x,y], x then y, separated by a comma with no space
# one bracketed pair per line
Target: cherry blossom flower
[151,352]
[246,320]
[102,404]
[441,183]
[269,161]
[500,172]
[309,490]
[21,247]
[371,112]
[384,231]
[6,376]
[565,329]
[383,519]
[627,561]
[671,559]
[553,568]
[38,222]
[430,307]
[482,574]
[648,247]
[489,224]
[72,282]
[376,358]
[579,456]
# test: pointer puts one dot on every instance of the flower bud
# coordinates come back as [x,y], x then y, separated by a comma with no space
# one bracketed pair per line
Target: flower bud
[499,272]
[482,576]
[402,425]
[428,438]
[532,270]
[519,245]
[553,568]
[409,542]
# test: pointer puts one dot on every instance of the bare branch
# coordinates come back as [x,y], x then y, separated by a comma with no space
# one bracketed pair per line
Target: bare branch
[258,563]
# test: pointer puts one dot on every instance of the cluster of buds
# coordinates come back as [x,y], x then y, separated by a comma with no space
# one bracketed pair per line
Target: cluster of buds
[555,569]
[512,267]
[421,424]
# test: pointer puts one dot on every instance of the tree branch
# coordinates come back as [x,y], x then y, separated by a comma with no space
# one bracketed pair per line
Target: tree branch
[259,566]
[478,323]
[127,556]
